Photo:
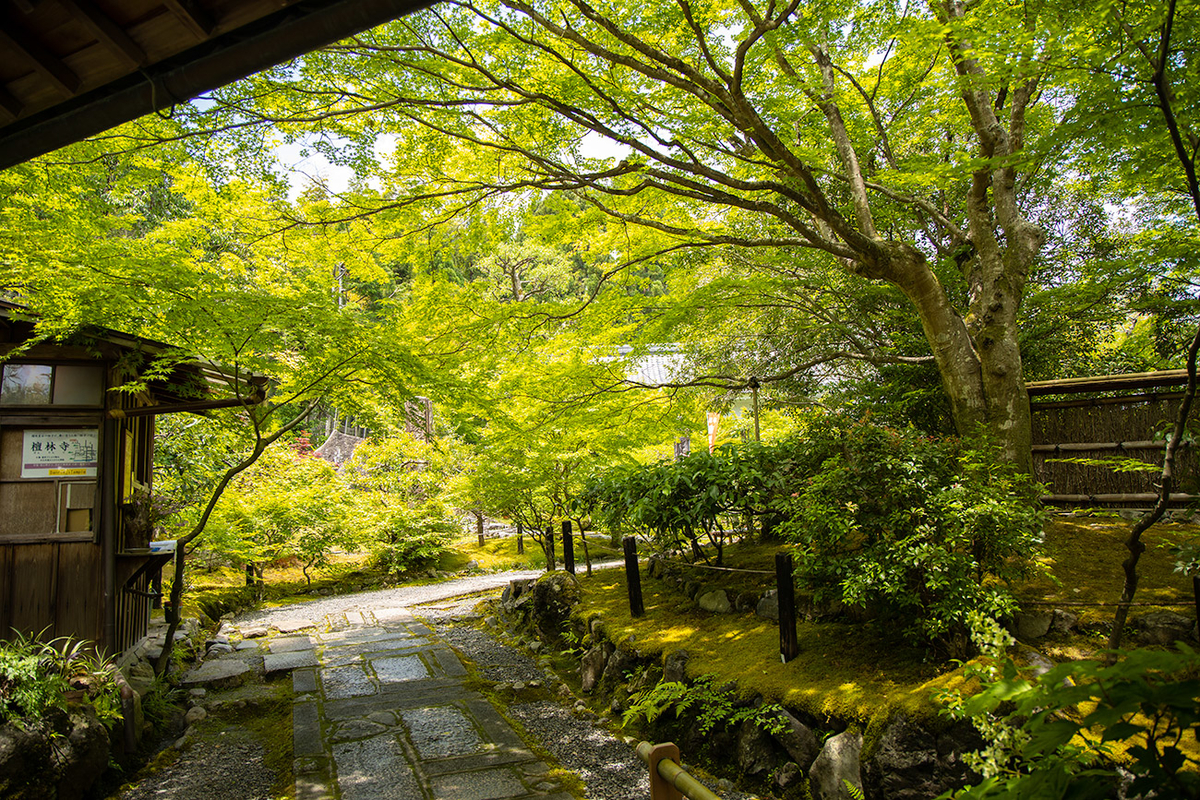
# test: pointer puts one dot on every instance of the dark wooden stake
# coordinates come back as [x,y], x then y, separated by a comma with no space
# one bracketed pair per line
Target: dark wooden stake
[568,547]
[1196,594]
[633,578]
[520,539]
[550,548]
[789,644]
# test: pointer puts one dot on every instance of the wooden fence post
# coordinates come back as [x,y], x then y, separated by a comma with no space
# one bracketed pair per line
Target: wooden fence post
[520,539]
[633,578]
[550,548]
[568,547]
[789,645]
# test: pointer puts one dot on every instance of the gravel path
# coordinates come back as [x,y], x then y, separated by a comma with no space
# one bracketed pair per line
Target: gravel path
[609,766]
[401,596]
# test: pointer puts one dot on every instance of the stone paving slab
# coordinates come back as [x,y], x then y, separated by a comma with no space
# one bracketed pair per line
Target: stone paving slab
[281,662]
[292,625]
[382,712]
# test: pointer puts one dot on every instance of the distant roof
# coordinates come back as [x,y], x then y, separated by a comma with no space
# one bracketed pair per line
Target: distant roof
[659,366]
[70,69]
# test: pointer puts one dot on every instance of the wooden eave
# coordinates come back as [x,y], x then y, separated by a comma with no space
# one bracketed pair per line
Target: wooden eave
[189,387]
[1137,381]
[70,69]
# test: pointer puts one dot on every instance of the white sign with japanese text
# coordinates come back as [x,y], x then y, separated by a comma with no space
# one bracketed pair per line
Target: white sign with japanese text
[60,454]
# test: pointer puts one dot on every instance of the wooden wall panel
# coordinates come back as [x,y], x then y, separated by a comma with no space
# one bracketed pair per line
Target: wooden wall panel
[79,605]
[33,583]
[6,598]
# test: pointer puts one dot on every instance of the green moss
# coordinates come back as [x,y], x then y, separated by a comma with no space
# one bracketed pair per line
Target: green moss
[862,673]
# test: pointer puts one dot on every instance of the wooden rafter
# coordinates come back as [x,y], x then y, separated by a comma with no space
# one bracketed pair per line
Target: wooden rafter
[10,107]
[15,37]
[107,32]
[193,16]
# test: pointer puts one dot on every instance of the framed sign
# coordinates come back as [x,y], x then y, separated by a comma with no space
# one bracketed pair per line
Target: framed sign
[69,453]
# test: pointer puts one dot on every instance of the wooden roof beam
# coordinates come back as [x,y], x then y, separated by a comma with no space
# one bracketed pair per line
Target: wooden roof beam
[194,17]
[111,35]
[10,107]
[14,34]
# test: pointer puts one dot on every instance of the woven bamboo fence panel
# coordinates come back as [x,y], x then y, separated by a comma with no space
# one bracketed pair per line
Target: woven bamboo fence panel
[1120,427]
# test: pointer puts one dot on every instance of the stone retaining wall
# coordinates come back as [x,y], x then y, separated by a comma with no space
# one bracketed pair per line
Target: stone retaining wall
[793,754]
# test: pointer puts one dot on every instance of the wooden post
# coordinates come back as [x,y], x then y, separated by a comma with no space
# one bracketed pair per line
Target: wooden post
[520,539]
[549,548]
[568,547]
[1196,595]
[789,645]
[633,578]
[660,787]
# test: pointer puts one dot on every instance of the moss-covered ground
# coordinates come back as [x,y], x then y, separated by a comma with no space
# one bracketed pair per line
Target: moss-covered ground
[860,673]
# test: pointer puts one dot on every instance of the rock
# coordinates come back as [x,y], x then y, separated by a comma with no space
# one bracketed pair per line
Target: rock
[1162,627]
[84,757]
[1063,622]
[745,601]
[218,649]
[836,765]
[472,565]
[592,664]
[140,676]
[621,663]
[220,674]
[195,714]
[768,607]
[255,632]
[1040,664]
[904,765]
[56,758]
[675,666]
[755,750]
[790,774]
[553,597]
[716,602]
[1032,624]
[292,625]
[798,740]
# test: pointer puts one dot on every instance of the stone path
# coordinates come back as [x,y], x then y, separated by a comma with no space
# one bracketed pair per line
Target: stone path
[382,711]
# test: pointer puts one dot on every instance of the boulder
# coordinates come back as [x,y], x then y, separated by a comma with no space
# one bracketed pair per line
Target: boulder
[1162,627]
[1033,624]
[798,740]
[622,663]
[904,764]
[1063,622]
[837,765]
[552,598]
[675,666]
[715,602]
[57,758]
[768,606]
[756,753]
[592,664]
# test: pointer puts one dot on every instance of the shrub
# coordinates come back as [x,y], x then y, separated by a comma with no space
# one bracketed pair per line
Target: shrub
[1065,725]
[36,676]
[919,529]
[412,539]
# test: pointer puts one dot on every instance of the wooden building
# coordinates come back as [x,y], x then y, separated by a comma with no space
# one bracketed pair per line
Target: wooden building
[76,470]
[1101,418]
